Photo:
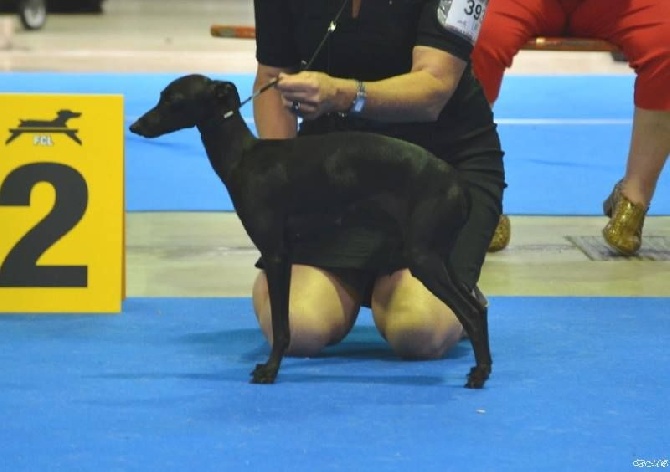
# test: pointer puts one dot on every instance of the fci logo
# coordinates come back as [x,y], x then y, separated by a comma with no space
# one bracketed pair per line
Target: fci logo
[43,140]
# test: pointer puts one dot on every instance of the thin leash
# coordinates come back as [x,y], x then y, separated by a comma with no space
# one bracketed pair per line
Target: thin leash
[305,65]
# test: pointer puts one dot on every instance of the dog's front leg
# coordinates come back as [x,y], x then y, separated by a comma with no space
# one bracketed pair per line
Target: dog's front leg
[278,272]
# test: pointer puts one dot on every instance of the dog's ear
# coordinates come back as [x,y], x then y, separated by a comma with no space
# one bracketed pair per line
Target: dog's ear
[226,92]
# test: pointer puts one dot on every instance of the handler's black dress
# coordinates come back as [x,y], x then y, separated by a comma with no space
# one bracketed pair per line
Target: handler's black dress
[376,45]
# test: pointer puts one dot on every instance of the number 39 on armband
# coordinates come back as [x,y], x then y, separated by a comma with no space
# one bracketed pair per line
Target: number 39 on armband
[61,203]
[462,17]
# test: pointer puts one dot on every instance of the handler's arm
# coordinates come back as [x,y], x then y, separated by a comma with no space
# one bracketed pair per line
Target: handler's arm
[419,95]
[272,119]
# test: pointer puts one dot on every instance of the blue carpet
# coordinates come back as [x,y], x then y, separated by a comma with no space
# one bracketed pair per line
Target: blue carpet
[578,384]
[554,168]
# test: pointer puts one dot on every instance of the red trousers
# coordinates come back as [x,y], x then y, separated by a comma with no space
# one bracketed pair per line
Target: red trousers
[640,28]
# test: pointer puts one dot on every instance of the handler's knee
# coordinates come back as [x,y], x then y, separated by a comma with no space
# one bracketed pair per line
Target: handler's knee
[415,323]
[321,310]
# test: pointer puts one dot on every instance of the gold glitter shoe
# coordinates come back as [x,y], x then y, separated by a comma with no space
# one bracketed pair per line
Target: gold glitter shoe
[623,232]
[502,235]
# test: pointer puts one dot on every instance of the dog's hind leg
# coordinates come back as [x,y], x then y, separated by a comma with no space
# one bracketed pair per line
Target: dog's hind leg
[278,272]
[433,230]
[428,267]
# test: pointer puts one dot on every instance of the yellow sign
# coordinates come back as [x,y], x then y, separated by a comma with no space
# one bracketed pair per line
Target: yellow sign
[61,203]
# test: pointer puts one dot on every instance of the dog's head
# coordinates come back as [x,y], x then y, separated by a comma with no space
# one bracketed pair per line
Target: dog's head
[68,114]
[185,103]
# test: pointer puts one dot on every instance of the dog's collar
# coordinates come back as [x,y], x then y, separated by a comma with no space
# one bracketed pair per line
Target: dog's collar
[216,119]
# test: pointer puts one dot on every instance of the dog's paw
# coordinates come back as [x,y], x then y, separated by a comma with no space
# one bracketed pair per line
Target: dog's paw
[263,374]
[478,376]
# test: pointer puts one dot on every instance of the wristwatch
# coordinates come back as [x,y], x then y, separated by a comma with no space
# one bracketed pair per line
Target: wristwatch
[359,100]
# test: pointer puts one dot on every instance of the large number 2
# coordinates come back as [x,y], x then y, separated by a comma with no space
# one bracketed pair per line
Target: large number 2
[473,9]
[20,268]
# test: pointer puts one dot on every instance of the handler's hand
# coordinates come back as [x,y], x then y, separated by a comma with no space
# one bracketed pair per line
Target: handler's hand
[308,94]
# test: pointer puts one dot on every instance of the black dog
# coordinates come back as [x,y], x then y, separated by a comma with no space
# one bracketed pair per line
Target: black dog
[272,181]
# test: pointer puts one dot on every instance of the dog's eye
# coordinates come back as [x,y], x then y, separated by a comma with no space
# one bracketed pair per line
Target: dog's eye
[165,98]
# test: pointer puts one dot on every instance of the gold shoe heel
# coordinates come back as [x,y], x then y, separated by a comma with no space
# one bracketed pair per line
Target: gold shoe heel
[610,201]
[623,232]
[502,235]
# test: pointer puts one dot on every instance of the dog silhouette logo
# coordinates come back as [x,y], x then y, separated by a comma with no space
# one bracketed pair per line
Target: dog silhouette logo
[56,126]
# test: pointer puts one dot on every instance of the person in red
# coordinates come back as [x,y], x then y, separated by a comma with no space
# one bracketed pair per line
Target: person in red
[641,29]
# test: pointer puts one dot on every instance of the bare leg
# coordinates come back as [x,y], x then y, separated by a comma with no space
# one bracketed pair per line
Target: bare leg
[649,150]
[416,324]
[322,309]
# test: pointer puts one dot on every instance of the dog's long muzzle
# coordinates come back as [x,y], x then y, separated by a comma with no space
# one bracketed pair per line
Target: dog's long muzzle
[140,128]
